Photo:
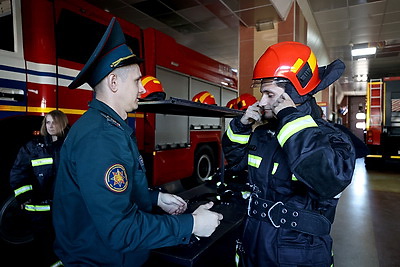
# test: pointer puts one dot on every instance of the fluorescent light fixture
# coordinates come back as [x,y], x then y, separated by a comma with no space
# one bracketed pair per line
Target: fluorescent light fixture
[360,125]
[360,116]
[363,51]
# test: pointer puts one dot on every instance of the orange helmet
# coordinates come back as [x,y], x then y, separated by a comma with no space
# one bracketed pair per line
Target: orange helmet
[245,100]
[204,97]
[154,89]
[290,60]
[232,103]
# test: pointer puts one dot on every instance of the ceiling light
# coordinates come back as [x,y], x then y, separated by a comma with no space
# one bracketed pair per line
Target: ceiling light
[264,25]
[363,51]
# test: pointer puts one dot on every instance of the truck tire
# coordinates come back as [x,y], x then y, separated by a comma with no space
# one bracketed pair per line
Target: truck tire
[14,225]
[204,164]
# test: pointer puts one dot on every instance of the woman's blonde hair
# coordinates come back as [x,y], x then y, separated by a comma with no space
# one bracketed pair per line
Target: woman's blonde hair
[60,120]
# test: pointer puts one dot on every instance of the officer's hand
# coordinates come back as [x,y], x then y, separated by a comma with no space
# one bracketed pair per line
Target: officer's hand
[252,114]
[171,204]
[205,221]
[282,102]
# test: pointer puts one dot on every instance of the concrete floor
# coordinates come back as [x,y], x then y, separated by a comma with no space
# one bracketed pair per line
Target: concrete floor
[366,231]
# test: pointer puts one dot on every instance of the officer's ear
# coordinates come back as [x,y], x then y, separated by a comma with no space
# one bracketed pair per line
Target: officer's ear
[112,82]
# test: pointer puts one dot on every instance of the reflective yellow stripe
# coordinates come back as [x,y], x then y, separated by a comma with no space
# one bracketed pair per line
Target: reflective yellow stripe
[296,65]
[40,162]
[204,96]
[246,194]
[294,178]
[57,264]
[237,259]
[12,108]
[294,127]
[22,190]
[136,115]
[275,168]
[147,79]
[37,207]
[73,111]
[374,156]
[40,109]
[254,161]
[312,61]
[237,138]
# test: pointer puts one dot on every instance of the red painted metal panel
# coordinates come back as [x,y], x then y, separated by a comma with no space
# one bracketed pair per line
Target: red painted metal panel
[38,31]
[169,54]
[171,165]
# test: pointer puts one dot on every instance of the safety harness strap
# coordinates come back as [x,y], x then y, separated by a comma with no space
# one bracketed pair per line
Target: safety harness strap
[281,215]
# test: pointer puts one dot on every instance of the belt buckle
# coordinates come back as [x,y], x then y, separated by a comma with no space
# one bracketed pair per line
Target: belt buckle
[269,213]
[249,203]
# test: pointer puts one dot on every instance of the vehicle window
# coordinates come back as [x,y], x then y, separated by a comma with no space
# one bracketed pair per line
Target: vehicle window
[6,26]
[78,36]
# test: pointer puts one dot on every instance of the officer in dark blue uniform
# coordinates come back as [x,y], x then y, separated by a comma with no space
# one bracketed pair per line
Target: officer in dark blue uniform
[298,163]
[102,204]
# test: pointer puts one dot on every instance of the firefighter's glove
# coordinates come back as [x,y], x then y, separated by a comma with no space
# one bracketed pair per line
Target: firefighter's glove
[205,221]
[171,204]
[282,102]
[252,114]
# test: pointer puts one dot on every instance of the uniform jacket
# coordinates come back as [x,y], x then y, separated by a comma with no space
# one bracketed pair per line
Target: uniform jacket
[102,203]
[33,174]
[302,162]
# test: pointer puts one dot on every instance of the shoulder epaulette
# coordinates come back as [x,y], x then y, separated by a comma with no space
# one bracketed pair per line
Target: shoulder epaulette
[112,121]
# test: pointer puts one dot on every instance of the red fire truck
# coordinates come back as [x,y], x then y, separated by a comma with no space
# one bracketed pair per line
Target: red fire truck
[44,44]
[48,43]
[383,121]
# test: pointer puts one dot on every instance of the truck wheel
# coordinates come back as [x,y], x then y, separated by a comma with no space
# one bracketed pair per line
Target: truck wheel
[14,225]
[204,164]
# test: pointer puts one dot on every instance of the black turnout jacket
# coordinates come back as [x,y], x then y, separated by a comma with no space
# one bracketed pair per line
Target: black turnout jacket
[298,160]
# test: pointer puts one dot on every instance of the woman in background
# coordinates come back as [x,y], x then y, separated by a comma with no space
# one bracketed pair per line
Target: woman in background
[32,179]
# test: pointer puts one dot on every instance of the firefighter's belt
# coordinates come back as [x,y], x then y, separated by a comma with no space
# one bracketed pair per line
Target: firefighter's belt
[281,215]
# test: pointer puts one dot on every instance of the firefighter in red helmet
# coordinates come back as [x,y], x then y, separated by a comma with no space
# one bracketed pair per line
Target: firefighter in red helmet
[297,163]
[154,89]
[232,103]
[204,97]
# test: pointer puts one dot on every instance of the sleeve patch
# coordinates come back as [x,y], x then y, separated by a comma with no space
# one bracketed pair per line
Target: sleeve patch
[116,178]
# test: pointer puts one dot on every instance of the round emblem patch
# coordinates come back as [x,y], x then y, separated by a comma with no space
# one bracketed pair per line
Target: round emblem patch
[116,178]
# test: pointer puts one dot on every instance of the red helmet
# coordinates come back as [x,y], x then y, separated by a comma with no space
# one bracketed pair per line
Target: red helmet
[245,100]
[154,89]
[232,103]
[204,97]
[290,60]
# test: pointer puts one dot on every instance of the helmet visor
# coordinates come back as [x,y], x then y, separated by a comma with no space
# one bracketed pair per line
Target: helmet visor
[258,83]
